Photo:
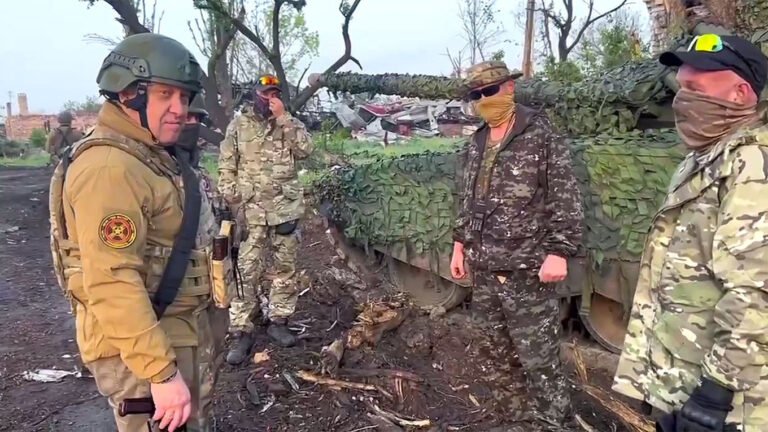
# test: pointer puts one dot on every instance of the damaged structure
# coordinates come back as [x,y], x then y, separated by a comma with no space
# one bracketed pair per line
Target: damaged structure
[392,118]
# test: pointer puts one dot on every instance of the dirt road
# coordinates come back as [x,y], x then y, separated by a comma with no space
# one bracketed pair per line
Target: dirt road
[38,334]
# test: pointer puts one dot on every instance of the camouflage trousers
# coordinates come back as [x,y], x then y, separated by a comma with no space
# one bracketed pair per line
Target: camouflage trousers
[198,366]
[281,300]
[520,323]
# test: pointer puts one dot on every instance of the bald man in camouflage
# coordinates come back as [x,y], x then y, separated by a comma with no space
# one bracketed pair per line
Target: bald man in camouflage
[257,173]
[696,347]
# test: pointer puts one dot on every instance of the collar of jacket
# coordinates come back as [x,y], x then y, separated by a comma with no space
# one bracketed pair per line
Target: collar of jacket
[113,117]
[523,118]
[686,186]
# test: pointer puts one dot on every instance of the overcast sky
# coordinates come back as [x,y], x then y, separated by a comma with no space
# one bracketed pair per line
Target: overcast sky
[43,51]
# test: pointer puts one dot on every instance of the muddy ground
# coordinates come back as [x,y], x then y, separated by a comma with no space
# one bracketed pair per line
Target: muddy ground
[447,389]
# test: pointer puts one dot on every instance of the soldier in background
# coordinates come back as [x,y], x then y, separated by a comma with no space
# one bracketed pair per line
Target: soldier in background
[519,219]
[257,174]
[697,341]
[62,138]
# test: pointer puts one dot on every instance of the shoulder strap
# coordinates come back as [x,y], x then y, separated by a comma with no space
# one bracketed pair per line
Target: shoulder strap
[184,242]
[100,137]
[65,135]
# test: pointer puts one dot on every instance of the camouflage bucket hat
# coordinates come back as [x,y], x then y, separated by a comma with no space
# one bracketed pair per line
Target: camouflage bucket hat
[489,72]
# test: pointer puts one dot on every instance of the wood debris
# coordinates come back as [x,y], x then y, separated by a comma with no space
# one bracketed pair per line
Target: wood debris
[631,419]
[330,356]
[309,376]
[370,325]
[396,418]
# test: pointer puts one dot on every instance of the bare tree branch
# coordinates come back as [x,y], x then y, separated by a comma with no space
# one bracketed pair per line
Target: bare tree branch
[310,90]
[104,40]
[217,7]
[565,25]
[591,21]
[128,16]
[298,83]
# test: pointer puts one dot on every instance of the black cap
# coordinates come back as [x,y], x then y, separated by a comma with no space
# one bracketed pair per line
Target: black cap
[747,62]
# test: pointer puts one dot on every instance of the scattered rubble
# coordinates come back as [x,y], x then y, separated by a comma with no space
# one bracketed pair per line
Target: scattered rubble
[390,119]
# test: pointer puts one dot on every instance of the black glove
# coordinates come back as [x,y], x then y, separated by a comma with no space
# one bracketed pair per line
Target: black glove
[706,409]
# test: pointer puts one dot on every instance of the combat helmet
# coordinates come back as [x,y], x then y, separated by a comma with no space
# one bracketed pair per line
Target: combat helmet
[144,58]
[197,107]
[64,118]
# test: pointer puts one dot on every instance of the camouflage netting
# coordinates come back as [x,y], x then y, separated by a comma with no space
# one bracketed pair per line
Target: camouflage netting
[404,203]
[409,201]
[613,101]
[624,179]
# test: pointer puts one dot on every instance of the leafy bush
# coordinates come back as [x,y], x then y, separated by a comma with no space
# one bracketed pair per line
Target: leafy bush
[37,138]
[12,149]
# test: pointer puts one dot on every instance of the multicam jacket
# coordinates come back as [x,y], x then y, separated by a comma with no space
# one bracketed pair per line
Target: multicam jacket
[257,165]
[533,200]
[701,303]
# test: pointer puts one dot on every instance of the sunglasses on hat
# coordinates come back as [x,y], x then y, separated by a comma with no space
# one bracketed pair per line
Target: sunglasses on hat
[485,91]
[712,43]
[269,80]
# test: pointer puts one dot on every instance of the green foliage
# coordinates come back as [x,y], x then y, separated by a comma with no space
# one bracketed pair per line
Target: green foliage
[37,138]
[92,104]
[611,44]
[210,162]
[605,45]
[561,71]
[36,160]
[11,149]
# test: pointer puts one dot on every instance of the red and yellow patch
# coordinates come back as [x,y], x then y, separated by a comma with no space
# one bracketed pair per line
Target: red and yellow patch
[117,231]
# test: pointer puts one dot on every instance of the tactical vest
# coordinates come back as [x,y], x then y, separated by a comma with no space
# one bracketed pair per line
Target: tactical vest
[66,254]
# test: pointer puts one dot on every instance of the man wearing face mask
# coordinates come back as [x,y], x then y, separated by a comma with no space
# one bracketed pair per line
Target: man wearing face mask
[257,173]
[696,344]
[520,218]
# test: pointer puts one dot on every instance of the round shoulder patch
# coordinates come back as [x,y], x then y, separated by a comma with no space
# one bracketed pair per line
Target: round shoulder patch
[117,231]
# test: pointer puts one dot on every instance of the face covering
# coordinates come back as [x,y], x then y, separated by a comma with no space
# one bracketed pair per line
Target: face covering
[189,136]
[703,120]
[496,109]
[261,106]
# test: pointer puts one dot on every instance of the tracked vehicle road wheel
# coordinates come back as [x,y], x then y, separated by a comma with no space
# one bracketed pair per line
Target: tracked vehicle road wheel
[426,289]
[604,320]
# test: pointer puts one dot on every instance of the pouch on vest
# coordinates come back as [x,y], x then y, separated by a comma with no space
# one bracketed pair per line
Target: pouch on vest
[222,270]
[287,228]
[479,213]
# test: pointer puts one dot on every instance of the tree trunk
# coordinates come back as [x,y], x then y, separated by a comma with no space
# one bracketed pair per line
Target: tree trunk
[674,17]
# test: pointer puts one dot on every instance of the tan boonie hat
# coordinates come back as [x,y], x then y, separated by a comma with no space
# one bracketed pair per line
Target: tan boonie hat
[489,72]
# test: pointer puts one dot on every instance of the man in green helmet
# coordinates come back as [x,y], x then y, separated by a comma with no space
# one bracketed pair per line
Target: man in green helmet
[61,138]
[129,232]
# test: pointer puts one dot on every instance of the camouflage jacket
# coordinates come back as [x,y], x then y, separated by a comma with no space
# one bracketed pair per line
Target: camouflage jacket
[701,302]
[533,203]
[257,165]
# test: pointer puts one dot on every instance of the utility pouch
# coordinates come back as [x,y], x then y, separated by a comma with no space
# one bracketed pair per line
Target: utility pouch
[479,213]
[222,272]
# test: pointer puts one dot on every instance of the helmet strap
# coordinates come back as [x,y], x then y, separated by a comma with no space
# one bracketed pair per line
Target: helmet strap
[139,103]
